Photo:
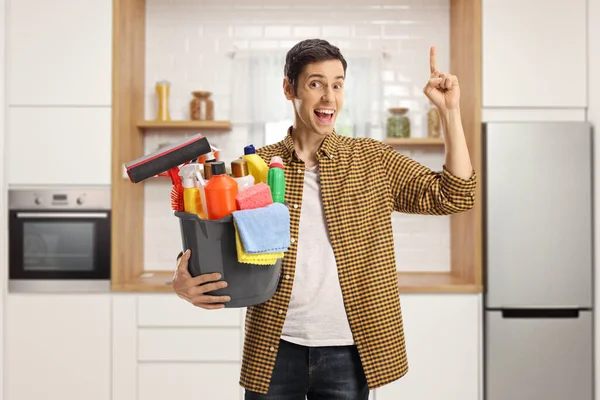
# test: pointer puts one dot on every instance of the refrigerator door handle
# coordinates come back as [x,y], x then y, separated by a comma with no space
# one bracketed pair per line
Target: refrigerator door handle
[562,312]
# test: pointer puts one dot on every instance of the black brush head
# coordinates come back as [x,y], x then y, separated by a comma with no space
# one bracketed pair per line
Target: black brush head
[164,159]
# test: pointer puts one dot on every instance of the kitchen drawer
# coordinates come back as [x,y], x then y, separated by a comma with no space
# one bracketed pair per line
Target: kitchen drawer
[189,381]
[189,344]
[171,311]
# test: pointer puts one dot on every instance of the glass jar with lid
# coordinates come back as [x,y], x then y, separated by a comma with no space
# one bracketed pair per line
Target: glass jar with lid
[398,124]
[202,106]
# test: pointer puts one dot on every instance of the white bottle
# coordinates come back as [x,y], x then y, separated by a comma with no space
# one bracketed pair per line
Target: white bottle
[239,172]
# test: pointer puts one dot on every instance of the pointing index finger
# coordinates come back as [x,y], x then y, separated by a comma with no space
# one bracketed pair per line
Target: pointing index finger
[432,65]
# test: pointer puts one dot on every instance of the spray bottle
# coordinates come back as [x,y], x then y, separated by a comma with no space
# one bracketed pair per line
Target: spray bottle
[194,200]
[276,180]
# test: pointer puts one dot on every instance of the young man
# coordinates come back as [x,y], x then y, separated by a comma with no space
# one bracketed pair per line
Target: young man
[333,329]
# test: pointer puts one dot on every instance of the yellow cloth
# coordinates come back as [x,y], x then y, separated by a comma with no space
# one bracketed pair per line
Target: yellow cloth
[258,259]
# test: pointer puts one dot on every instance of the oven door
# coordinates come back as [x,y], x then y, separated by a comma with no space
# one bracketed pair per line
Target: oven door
[59,245]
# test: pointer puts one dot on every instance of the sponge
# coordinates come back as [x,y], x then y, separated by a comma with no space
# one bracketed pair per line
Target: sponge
[255,196]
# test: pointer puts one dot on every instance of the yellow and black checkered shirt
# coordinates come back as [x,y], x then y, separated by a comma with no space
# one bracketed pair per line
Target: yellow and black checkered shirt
[362,182]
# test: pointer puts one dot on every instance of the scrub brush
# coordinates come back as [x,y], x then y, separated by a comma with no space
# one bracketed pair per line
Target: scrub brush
[177,190]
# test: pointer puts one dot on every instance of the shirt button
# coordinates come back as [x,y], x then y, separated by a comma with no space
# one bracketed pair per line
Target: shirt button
[292,240]
[280,311]
[272,348]
[287,277]
[299,171]
[295,205]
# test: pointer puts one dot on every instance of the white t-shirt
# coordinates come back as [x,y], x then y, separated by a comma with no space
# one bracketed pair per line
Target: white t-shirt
[316,315]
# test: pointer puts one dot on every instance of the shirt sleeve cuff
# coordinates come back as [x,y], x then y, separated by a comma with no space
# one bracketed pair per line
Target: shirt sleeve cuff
[454,184]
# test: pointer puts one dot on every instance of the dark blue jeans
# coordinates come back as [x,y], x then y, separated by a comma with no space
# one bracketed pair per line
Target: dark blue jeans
[316,373]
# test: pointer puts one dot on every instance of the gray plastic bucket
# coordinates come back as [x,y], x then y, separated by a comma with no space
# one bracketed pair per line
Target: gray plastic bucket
[213,250]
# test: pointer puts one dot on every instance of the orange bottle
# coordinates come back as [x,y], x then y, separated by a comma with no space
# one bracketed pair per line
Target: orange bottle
[220,192]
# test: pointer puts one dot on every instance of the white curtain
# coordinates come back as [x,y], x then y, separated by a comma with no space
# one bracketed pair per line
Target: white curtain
[258,101]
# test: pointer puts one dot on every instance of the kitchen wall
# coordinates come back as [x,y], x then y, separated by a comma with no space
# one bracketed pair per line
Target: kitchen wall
[190,43]
[3,196]
[593,115]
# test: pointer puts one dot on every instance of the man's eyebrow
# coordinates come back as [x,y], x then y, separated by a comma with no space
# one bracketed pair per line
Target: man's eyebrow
[323,76]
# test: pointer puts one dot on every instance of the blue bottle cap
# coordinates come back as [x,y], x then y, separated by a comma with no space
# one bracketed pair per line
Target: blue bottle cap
[249,149]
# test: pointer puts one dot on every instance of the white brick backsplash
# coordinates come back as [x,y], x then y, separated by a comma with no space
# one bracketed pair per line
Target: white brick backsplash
[336,31]
[278,31]
[368,30]
[264,44]
[402,31]
[306,32]
[216,30]
[189,43]
[248,31]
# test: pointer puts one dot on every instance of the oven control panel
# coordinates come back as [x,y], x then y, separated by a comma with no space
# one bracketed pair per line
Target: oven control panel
[68,198]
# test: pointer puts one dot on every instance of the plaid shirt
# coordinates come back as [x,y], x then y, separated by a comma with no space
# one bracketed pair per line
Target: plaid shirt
[362,182]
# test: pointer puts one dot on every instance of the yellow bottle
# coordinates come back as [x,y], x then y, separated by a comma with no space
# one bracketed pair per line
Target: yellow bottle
[192,194]
[256,165]
[162,91]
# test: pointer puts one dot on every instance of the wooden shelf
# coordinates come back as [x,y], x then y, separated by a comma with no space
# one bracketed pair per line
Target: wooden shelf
[415,142]
[408,282]
[147,281]
[185,125]
[435,282]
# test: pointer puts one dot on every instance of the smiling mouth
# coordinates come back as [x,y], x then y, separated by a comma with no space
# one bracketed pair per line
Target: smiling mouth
[325,116]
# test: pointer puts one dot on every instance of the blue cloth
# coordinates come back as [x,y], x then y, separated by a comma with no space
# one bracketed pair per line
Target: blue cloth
[265,229]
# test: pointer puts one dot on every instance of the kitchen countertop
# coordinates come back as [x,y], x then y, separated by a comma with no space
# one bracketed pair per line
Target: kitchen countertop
[408,282]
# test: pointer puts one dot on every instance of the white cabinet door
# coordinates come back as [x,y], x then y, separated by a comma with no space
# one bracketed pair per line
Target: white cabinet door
[59,146]
[58,347]
[443,334]
[59,52]
[168,310]
[534,53]
[217,381]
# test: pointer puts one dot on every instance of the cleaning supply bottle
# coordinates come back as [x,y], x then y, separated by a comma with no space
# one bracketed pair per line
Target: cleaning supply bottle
[192,197]
[220,192]
[276,180]
[257,167]
[239,171]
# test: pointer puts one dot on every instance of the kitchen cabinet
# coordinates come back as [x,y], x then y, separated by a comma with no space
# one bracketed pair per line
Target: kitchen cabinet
[534,53]
[443,341]
[58,347]
[164,347]
[59,146]
[189,381]
[59,52]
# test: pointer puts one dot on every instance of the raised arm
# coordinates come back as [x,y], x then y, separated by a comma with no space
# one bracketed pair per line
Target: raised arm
[443,92]
[416,188]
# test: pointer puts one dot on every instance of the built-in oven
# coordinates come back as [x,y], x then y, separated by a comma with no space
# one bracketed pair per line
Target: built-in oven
[59,239]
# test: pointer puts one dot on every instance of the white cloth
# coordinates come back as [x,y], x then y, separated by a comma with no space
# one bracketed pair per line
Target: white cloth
[316,315]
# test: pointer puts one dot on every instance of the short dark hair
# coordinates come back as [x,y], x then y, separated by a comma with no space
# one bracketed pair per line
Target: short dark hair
[306,52]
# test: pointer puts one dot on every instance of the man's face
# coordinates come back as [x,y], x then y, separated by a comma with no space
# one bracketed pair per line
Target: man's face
[320,95]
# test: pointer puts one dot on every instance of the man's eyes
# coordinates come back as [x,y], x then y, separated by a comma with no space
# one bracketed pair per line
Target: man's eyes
[316,84]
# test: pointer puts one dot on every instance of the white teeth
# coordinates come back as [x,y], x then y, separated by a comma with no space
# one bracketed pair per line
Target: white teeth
[325,111]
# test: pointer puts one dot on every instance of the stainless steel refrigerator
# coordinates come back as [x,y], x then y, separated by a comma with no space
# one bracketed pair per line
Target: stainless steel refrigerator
[537,208]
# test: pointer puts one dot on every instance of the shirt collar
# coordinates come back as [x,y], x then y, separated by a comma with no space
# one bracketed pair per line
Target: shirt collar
[327,148]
